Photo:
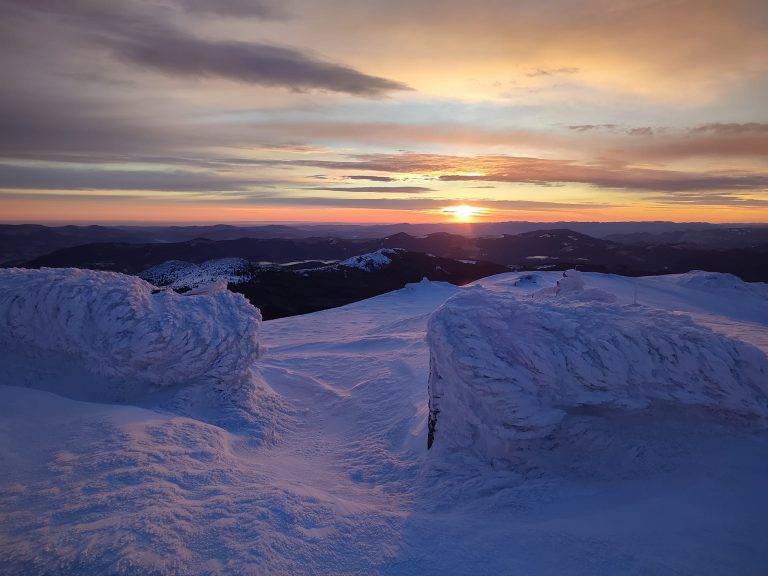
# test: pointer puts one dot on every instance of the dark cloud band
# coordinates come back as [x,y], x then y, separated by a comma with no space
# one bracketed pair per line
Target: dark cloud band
[379,189]
[140,34]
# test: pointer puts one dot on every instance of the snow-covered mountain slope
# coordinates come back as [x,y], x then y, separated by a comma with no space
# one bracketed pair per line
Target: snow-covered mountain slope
[348,486]
[181,275]
[187,275]
[372,260]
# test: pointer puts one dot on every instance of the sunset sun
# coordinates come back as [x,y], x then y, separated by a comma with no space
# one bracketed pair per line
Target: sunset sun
[463,212]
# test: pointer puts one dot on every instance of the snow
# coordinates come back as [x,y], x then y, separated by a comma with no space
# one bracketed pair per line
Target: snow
[183,276]
[632,479]
[167,272]
[116,338]
[571,287]
[372,260]
[490,388]
[187,275]
[717,283]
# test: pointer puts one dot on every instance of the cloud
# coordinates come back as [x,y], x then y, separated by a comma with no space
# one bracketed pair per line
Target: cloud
[589,127]
[547,172]
[267,65]
[614,128]
[247,8]
[105,84]
[609,140]
[711,140]
[422,203]
[697,199]
[641,131]
[397,133]
[50,178]
[371,178]
[135,33]
[687,51]
[384,189]
[502,168]
[552,71]
[731,128]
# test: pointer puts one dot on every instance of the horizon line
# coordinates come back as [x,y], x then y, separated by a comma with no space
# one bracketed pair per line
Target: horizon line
[235,224]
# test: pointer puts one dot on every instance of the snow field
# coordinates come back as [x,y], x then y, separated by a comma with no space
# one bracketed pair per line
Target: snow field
[623,477]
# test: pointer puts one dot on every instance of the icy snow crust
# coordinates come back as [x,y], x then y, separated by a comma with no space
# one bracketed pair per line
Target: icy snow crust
[169,480]
[505,369]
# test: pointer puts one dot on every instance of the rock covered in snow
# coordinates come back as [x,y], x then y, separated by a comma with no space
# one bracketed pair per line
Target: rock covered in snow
[110,337]
[505,369]
[119,326]
[571,286]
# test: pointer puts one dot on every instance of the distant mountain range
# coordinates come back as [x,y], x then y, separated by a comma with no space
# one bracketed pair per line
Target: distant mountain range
[542,249]
[24,242]
[717,238]
[285,276]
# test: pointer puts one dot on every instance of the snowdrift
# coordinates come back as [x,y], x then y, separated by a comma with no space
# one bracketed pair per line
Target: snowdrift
[106,336]
[721,284]
[507,368]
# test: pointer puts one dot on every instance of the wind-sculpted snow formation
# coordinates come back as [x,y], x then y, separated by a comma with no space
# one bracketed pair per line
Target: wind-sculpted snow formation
[508,368]
[110,337]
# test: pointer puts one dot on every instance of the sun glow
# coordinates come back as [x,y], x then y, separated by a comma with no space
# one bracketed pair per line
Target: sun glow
[463,212]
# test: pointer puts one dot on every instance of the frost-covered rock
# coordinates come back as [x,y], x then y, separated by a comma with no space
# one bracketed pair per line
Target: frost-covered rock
[505,369]
[110,337]
[571,286]
[120,326]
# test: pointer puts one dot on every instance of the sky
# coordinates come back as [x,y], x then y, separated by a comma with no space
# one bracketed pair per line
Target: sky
[383,111]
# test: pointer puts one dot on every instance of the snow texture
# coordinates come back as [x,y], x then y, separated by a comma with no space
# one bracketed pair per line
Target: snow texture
[505,369]
[125,340]
[100,475]
[717,283]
